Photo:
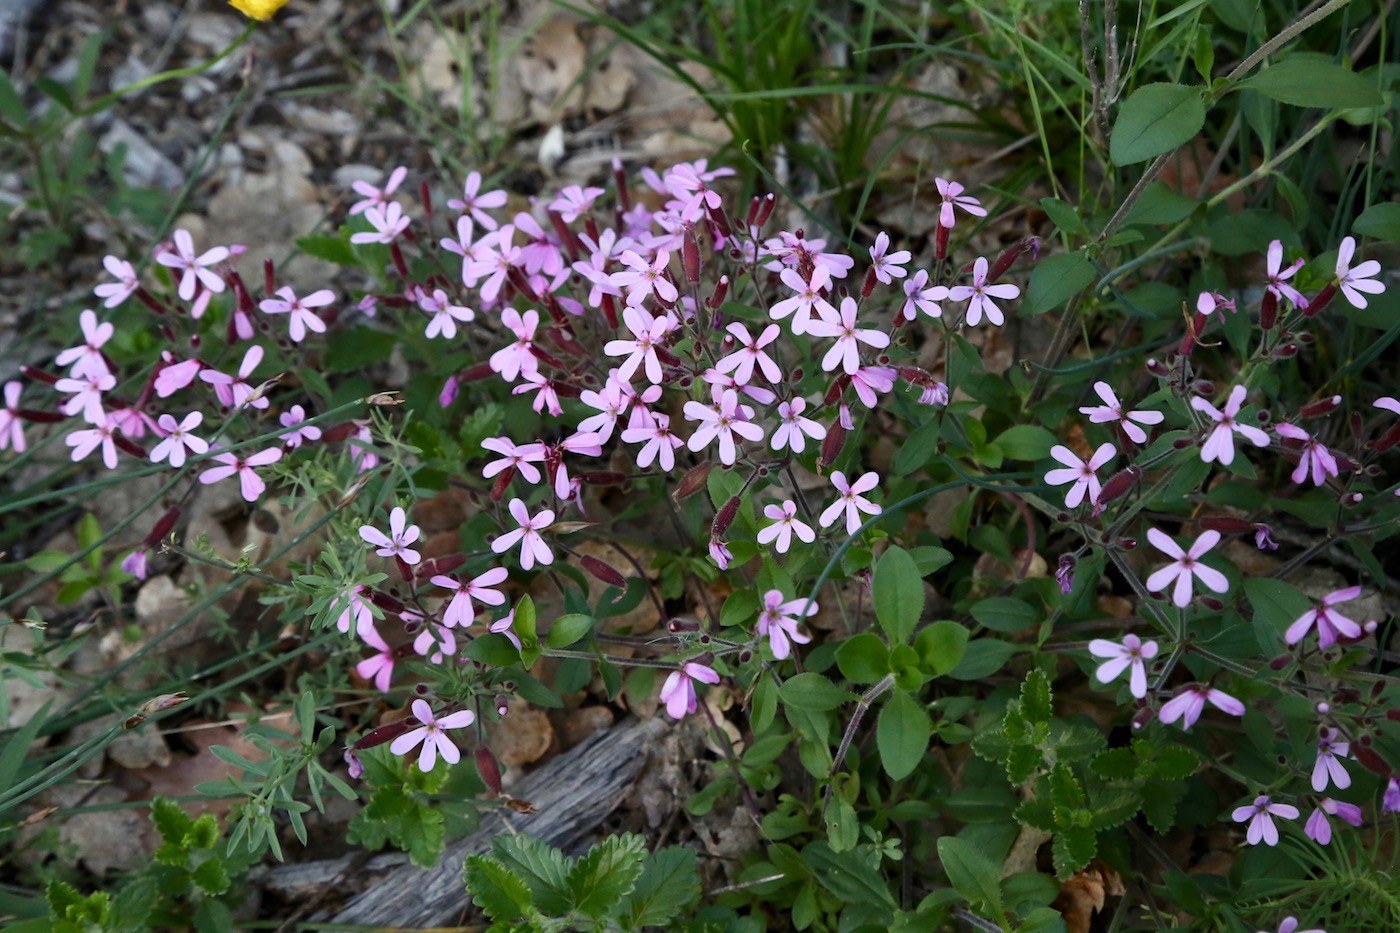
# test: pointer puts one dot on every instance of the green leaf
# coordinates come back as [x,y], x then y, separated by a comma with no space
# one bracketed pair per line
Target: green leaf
[902,734]
[1026,442]
[89,532]
[525,622]
[354,349]
[1161,205]
[765,703]
[863,659]
[492,649]
[1064,216]
[668,882]
[172,822]
[928,559]
[543,868]
[1074,848]
[898,593]
[495,888]
[918,448]
[1276,605]
[1036,697]
[211,877]
[983,658]
[334,249]
[811,691]
[1155,119]
[941,646]
[1314,82]
[973,873]
[1056,279]
[842,825]
[1381,221]
[1242,233]
[1005,614]
[606,874]
[853,879]
[569,629]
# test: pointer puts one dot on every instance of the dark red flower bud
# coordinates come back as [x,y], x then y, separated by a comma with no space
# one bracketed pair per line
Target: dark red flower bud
[1370,760]
[1119,484]
[725,517]
[440,565]
[940,243]
[385,601]
[692,482]
[831,444]
[1322,406]
[666,356]
[162,527]
[1321,300]
[620,180]
[498,489]
[341,432]
[386,733]
[1127,544]
[566,236]
[1393,714]
[752,215]
[489,769]
[690,256]
[765,211]
[1227,525]
[868,285]
[836,389]
[1389,439]
[1268,311]
[1287,351]
[1143,716]
[38,375]
[1280,662]
[40,417]
[721,290]
[130,446]
[1008,257]
[1158,368]
[605,572]
[603,478]
[676,626]
[718,218]
[425,197]
[1211,603]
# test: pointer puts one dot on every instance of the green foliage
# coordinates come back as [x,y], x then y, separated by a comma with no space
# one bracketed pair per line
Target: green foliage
[1155,119]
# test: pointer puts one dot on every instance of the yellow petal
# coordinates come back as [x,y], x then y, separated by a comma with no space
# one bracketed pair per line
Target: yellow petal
[258,9]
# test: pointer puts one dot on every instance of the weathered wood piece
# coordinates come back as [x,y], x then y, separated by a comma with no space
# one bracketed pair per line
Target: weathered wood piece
[572,794]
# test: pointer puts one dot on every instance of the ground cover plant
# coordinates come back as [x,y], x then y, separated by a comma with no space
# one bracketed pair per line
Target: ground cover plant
[1032,569]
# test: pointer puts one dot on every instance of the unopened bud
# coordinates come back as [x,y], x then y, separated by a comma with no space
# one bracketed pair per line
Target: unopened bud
[1321,300]
[831,444]
[1211,603]
[725,517]
[1352,499]
[718,218]
[440,565]
[1126,544]
[1227,525]
[721,291]
[1118,485]
[1287,351]
[1369,759]
[1143,716]
[1158,368]
[605,572]
[1389,439]
[1008,256]
[940,243]
[868,285]
[1268,311]
[677,626]
[162,527]
[1279,663]
[503,702]
[765,210]
[385,733]
[1320,407]
[385,601]
[489,769]
[690,257]
[692,482]
[836,389]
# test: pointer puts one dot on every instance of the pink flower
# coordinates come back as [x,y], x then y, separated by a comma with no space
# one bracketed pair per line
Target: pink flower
[846,351]
[870,380]
[1390,800]
[1184,566]
[102,435]
[720,553]
[1353,282]
[722,420]
[516,358]
[178,438]
[920,296]
[850,500]
[194,269]
[1082,473]
[380,667]
[173,376]
[642,279]
[794,429]
[659,444]
[503,626]
[574,201]
[778,620]
[1132,653]
[1319,829]
[678,692]
[1314,458]
[250,483]
[1330,623]
[750,353]
[87,359]
[887,266]
[11,426]
[376,197]
[135,563]
[294,416]
[431,735]
[648,333]
[477,204]
[979,295]
[1278,277]
[785,525]
[1260,816]
[356,609]
[1112,410]
[86,394]
[1190,702]
[445,314]
[546,396]
[517,457]
[126,282]
[460,611]
[396,543]
[952,193]
[234,391]
[302,318]
[1329,765]
[808,297]
[1290,925]
[388,222]
[532,546]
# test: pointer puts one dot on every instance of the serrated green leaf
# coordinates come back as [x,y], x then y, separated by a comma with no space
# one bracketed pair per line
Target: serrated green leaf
[973,873]
[211,877]
[496,889]
[1037,700]
[1037,813]
[898,593]
[1156,118]
[1159,801]
[668,883]
[902,734]
[1065,790]
[172,822]
[1176,763]
[812,691]
[1022,761]
[1073,849]
[863,659]
[1314,82]
[1115,764]
[543,868]
[607,874]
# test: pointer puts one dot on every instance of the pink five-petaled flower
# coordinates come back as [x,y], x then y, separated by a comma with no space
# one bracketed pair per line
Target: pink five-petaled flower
[380,667]
[921,296]
[178,438]
[1314,458]
[887,266]
[1278,276]
[1132,653]
[87,394]
[850,500]
[230,463]
[302,318]
[86,358]
[355,608]
[1185,565]
[520,457]
[749,353]
[785,525]
[460,611]
[396,543]
[388,222]
[778,620]
[1353,282]
[1220,444]
[1079,472]
[376,197]
[126,282]
[574,201]
[648,333]
[1330,623]
[1390,799]
[476,204]
[1260,816]
[642,278]
[845,353]
[1113,410]
[511,361]
[103,434]
[1330,751]
[1188,704]
[431,735]
[235,391]
[306,433]
[533,548]
[951,193]
[1319,829]
[794,429]
[722,419]
[678,692]
[981,295]
[445,314]
[809,296]
[659,444]
[11,427]
[194,268]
